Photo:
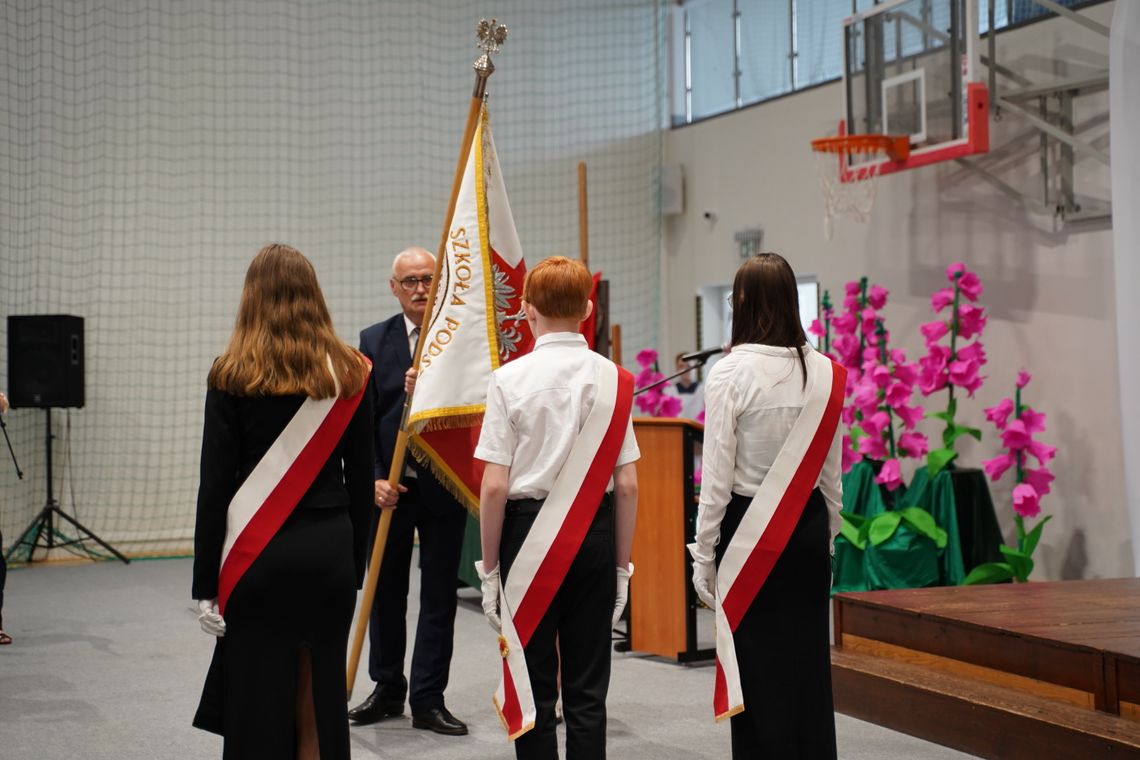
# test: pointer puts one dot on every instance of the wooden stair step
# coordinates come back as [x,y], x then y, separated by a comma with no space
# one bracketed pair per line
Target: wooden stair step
[974,716]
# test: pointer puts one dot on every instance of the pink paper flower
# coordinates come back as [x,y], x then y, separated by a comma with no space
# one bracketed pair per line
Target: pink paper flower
[941,299]
[853,288]
[1034,421]
[932,332]
[875,424]
[873,447]
[998,465]
[954,269]
[816,328]
[890,475]
[647,402]
[1026,501]
[866,396]
[1000,413]
[845,323]
[701,416]
[877,296]
[905,373]
[1015,436]
[670,406]
[975,352]
[881,376]
[970,286]
[1039,479]
[898,394]
[851,457]
[913,444]
[1041,452]
[867,322]
[910,415]
[971,320]
[647,357]
[965,375]
[1023,379]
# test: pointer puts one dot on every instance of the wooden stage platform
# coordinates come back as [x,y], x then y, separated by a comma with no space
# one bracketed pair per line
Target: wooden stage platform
[1036,670]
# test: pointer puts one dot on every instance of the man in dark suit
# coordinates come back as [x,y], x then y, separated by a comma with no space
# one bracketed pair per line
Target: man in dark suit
[420,503]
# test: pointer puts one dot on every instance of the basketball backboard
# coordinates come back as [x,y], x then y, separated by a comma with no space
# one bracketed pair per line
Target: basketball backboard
[909,70]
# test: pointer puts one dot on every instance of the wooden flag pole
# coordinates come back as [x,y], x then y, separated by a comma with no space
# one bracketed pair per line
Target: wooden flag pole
[583,217]
[491,37]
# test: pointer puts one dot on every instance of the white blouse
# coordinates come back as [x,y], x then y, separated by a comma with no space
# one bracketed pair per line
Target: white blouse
[752,398]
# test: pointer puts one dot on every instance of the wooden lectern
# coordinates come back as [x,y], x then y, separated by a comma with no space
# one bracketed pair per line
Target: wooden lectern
[662,603]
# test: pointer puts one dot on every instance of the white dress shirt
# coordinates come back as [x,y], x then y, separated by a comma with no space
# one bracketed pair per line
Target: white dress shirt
[752,398]
[536,405]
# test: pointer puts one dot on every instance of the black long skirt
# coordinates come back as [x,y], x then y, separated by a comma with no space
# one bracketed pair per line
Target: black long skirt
[298,594]
[782,646]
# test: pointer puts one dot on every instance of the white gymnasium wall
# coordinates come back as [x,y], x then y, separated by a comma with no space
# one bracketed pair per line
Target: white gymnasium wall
[1049,289]
[149,149]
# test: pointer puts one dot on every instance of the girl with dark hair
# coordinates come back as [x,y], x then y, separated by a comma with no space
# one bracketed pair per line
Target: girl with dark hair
[769,509]
[284,508]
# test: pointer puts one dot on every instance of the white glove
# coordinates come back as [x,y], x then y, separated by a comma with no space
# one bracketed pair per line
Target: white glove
[622,597]
[208,617]
[704,581]
[704,573]
[489,585]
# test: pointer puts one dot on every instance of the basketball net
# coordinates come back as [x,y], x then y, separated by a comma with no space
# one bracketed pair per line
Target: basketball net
[849,189]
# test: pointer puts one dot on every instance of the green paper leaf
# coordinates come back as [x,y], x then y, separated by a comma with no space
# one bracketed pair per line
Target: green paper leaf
[937,459]
[922,522]
[856,433]
[991,572]
[883,526]
[1033,536]
[851,533]
[944,416]
[972,432]
[851,517]
[1019,562]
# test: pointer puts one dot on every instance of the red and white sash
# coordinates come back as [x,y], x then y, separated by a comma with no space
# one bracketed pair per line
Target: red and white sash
[554,539]
[267,497]
[769,522]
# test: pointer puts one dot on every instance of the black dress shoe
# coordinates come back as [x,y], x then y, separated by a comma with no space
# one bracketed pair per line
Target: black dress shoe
[376,707]
[441,721]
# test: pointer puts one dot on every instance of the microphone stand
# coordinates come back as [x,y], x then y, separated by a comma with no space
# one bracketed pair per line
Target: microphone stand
[696,364]
[4,428]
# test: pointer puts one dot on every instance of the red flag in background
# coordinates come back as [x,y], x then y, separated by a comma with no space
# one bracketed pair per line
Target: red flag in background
[590,324]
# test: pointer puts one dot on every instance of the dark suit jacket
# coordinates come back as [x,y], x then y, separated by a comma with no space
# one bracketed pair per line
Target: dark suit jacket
[386,345]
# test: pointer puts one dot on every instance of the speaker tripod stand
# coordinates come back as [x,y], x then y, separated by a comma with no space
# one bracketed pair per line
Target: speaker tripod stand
[43,533]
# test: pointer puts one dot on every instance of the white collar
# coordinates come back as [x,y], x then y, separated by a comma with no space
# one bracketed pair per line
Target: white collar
[409,325]
[561,339]
[760,348]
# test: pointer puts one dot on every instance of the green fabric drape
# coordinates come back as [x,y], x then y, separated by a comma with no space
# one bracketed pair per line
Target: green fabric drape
[471,553]
[861,496]
[940,498]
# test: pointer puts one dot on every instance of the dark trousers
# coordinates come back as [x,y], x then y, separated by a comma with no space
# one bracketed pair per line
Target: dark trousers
[441,522]
[578,625]
[782,646]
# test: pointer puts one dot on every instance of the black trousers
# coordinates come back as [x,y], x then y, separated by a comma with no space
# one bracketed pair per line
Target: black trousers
[577,625]
[441,522]
[782,646]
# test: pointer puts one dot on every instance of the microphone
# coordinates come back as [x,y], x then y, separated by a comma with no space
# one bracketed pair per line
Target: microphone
[702,356]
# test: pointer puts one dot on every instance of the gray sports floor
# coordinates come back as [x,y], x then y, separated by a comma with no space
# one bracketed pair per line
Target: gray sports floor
[108,662]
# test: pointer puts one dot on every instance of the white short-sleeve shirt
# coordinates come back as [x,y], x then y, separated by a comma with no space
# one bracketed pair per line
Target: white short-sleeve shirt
[536,406]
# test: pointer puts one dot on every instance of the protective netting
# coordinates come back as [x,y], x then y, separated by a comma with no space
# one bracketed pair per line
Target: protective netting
[149,149]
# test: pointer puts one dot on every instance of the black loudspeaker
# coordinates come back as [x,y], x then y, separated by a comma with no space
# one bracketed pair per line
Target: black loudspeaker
[45,361]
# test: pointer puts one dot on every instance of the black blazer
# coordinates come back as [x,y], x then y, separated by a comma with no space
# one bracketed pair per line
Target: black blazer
[386,346]
[238,431]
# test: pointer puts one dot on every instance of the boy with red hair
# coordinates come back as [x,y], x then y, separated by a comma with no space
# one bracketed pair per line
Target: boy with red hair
[557,509]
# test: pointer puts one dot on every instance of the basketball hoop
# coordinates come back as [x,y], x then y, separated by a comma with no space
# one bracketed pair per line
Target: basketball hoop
[849,189]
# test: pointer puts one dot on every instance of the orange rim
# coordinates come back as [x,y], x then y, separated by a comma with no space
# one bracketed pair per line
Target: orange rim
[896,147]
